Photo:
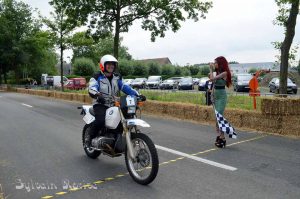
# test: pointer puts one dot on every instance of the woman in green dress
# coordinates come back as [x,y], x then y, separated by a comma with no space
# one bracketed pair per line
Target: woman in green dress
[221,79]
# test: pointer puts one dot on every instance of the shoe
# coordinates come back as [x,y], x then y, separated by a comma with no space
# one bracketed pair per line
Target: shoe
[220,142]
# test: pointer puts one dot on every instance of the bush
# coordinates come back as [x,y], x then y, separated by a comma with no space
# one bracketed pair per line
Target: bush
[168,70]
[204,70]
[140,69]
[154,68]
[83,67]
[125,67]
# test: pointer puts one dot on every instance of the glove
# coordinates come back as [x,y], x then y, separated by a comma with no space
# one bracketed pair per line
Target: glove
[100,99]
[142,97]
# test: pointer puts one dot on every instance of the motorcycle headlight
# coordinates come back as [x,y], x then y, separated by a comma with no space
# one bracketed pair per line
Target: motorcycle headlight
[131,109]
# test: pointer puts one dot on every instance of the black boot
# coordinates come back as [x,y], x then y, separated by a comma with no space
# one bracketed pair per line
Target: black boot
[220,142]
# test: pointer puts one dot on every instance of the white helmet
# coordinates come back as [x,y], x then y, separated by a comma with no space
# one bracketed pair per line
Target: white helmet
[107,58]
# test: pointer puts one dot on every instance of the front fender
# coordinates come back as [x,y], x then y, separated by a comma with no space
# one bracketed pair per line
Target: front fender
[137,122]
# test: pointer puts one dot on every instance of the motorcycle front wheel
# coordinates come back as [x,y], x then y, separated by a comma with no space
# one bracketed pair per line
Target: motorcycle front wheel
[144,167]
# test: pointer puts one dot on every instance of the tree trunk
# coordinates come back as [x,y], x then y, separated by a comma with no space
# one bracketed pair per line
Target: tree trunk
[61,66]
[4,74]
[117,31]
[1,72]
[286,45]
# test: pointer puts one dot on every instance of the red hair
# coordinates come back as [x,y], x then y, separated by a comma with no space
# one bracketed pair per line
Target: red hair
[222,67]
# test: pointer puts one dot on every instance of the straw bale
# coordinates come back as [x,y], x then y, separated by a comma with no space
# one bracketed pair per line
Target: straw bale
[291,125]
[280,106]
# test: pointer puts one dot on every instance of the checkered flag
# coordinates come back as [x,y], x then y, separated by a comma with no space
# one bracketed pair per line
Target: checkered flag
[224,125]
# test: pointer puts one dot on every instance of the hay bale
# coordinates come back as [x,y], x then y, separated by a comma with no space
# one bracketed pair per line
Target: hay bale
[235,117]
[280,106]
[80,98]
[290,125]
[88,99]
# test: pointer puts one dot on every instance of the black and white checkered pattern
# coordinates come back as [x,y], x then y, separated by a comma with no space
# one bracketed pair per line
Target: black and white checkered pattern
[224,125]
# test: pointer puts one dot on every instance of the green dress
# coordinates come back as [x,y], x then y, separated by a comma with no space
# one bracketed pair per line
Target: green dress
[220,96]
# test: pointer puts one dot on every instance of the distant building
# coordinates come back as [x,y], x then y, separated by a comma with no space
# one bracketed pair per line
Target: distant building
[160,61]
[67,68]
[245,67]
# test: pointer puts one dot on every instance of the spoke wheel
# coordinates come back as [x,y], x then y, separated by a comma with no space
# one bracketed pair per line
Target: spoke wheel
[144,167]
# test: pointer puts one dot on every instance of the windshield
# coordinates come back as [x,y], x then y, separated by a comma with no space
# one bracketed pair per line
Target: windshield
[244,77]
[168,81]
[138,80]
[153,78]
[186,80]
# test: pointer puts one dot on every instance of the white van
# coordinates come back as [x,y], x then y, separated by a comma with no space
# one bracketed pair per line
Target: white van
[154,81]
[55,81]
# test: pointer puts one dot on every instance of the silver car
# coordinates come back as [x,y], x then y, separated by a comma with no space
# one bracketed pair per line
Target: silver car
[274,86]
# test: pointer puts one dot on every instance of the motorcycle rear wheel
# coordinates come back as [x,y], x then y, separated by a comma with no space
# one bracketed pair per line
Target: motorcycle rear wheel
[144,167]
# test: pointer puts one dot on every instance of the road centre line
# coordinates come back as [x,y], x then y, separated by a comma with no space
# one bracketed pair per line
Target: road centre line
[163,163]
[27,105]
[209,162]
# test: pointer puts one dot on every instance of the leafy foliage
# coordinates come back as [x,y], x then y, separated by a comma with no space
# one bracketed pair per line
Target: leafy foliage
[154,68]
[157,16]
[84,67]
[25,49]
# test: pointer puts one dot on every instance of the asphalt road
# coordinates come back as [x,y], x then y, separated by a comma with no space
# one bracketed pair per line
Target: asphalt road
[41,156]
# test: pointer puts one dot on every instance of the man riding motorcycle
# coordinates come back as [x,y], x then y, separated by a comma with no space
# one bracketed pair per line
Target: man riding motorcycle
[103,87]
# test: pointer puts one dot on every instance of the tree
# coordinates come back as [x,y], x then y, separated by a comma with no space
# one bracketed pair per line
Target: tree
[61,28]
[178,71]
[85,46]
[140,69]
[185,71]
[252,70]
[287,17]
[84,67]
[125,67]
[16,25]
[168,70]
[204,70]
[298,67]
[156,16]
[154,68]
[194,70]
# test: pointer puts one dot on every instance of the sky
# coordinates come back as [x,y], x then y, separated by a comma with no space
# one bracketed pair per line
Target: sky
[240,30]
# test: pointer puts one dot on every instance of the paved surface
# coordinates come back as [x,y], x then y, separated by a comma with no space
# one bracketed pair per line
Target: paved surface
[41,156]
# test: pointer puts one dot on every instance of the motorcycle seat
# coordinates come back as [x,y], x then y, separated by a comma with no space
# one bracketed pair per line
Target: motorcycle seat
[92,112]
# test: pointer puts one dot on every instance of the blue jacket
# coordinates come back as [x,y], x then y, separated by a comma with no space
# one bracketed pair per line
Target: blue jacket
[100,84]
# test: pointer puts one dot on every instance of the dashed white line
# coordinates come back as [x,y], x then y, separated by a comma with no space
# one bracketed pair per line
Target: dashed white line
[209,162]
[27,105]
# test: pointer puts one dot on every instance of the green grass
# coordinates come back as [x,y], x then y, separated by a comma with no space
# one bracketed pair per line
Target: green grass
[234,101]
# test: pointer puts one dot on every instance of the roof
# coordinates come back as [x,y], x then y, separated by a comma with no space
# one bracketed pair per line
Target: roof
[160,61]
[261,65]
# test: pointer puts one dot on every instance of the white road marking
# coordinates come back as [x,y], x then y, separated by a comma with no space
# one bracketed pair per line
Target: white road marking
[27,105]
[212,163]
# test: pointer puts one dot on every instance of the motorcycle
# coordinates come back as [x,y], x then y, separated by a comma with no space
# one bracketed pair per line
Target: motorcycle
[121,135]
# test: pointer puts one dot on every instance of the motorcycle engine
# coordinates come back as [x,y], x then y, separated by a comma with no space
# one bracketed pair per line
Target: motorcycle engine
[102,142]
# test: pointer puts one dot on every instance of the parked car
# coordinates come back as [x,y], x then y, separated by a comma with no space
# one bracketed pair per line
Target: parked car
[76,83]
[274,86]
[186,84]
[176,81]
[167,84]
[195,81]
[139,83]
[201,85]
[128,81]
[154,81]
[241,82]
